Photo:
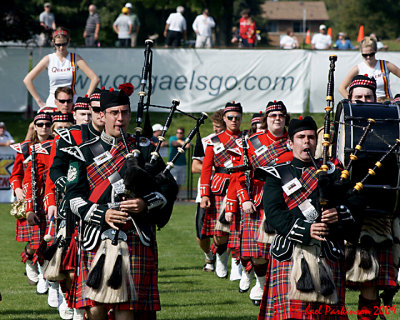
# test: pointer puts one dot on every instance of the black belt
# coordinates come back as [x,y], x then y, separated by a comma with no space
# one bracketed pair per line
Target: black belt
[221,170]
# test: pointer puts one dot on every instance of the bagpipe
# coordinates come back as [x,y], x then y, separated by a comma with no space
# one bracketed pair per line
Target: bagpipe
[312,279]
[364,136]
[373,170]
[366,141]
[146,176]
[376,128]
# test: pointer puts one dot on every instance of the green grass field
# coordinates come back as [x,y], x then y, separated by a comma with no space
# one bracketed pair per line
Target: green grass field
[186,291]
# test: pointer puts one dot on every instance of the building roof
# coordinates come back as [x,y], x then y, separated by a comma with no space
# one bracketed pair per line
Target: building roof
[293,10]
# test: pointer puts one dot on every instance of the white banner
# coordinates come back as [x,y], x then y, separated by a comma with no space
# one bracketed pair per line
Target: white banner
[7,157]
[203,80]
[14,65]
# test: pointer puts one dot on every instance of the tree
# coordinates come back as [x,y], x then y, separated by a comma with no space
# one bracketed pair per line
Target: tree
[17,21]
[380,17]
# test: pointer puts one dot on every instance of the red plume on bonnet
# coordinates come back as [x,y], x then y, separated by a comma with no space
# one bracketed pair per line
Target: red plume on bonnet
[127,88]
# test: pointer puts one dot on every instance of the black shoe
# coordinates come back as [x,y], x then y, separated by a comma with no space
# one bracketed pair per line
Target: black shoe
[388,294]
[208,269]
[243,291]
[256,302]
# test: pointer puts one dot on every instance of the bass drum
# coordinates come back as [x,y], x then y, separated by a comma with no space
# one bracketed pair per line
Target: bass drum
[380,191]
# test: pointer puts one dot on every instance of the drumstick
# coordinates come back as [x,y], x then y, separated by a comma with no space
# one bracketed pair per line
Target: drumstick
[48,236]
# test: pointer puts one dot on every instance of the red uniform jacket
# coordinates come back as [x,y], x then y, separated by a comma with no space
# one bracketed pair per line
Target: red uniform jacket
[264,149]
[217,156]
[42,166]
[17,174]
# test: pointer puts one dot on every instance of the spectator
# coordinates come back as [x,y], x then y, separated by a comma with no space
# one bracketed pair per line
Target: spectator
[379,44]
[48,23]
[342,43]
[157,130]
[179,169]
[60,68]
[289,41]
[91,33]
[321,41]
[252,33]
[380,70]
[123,27]
[202,26]
[175,28]
[135,24]
[247,29]
[235,36]
[5,137]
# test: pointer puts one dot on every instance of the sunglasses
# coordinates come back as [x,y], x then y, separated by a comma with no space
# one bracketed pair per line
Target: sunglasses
[115,113]
[43,124]
[237,118]
[64,44]
[276,115]
[65,101]
[96,109]
[368,54]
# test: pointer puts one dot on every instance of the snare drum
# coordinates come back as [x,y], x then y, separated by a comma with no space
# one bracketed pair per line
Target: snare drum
[381,191]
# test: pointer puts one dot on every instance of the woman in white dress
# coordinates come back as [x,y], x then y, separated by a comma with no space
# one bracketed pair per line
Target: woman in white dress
[378,69]
[62,66]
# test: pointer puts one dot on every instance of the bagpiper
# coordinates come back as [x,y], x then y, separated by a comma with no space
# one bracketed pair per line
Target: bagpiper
[118,261]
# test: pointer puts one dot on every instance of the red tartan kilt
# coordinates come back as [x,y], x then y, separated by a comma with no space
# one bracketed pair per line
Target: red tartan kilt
[234,235]
[211,215]
[70,260]
[386,275]
[249,247]
[276,306]
[144,269]
[23,231]
[74,296]
[37,233]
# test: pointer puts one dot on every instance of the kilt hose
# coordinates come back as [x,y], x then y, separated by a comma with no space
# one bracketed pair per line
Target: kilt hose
[386,275]
[249,246]
[144,269]
[211,216]
[275,304]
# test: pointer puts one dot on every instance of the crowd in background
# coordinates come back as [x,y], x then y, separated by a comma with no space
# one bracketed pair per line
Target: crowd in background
[127,26]
[245,35]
